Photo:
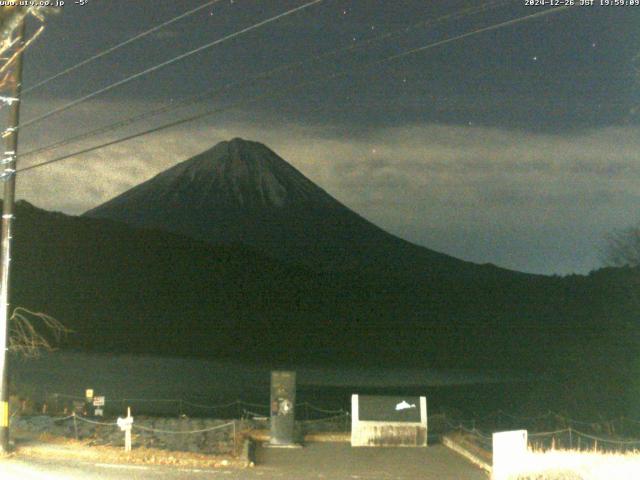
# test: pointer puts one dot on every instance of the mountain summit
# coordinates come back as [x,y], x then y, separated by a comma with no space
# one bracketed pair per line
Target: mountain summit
[237,174]
[242,192]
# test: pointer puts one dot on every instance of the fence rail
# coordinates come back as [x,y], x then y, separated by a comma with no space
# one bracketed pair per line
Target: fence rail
[549,429]
[62,403]
[566,438]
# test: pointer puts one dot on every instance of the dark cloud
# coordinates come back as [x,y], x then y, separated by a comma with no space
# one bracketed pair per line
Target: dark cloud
[442,186]
[516,146]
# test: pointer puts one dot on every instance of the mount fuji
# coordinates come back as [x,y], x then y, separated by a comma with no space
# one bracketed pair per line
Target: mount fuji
[241,192]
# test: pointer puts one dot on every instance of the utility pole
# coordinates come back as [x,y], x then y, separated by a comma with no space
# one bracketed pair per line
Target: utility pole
[8,176]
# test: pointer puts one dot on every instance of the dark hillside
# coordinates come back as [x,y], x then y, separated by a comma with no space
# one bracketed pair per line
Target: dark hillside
[129,290]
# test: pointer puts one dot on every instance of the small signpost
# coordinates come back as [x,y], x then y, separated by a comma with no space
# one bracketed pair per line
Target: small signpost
[125,425]
[98,404]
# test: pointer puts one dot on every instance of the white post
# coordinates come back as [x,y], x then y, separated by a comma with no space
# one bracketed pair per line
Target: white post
[355,411]
[424,418]
[127,432]
[125,425]
[355,420]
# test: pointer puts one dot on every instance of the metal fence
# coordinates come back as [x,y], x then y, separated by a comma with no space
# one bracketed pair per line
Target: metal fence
[547,430]
[603,436]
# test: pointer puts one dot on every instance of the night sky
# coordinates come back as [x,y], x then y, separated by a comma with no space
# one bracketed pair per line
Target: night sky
[517,146]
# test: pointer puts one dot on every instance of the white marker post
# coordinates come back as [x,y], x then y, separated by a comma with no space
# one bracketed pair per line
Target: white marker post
[125,425]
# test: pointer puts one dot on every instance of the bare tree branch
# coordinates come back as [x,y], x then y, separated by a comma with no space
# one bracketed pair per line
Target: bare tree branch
[32,332]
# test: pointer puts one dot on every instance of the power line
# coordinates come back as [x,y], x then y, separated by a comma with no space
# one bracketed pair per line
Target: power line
[303,84]
[119,46]
[264,75]
[287,92]
[166,63]
[475,32]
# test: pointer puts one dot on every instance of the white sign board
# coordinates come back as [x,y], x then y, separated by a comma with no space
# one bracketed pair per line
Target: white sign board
[509,452]
[98,412]
[383,421]
[124,423]
[98,401]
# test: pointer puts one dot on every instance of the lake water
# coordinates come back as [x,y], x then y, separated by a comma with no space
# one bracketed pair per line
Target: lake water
[156,384]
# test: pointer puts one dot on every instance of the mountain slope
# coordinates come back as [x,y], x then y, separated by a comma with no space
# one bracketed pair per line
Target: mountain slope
[242,192]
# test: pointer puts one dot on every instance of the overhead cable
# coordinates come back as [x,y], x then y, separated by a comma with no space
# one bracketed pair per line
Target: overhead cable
[165,64]
[118,46]
[288,91]
[261,76]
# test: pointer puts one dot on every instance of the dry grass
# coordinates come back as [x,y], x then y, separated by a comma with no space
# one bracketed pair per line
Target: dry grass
[578,465]
[48,446]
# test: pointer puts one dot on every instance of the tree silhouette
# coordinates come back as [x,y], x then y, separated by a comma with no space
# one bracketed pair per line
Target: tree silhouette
[32,332]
